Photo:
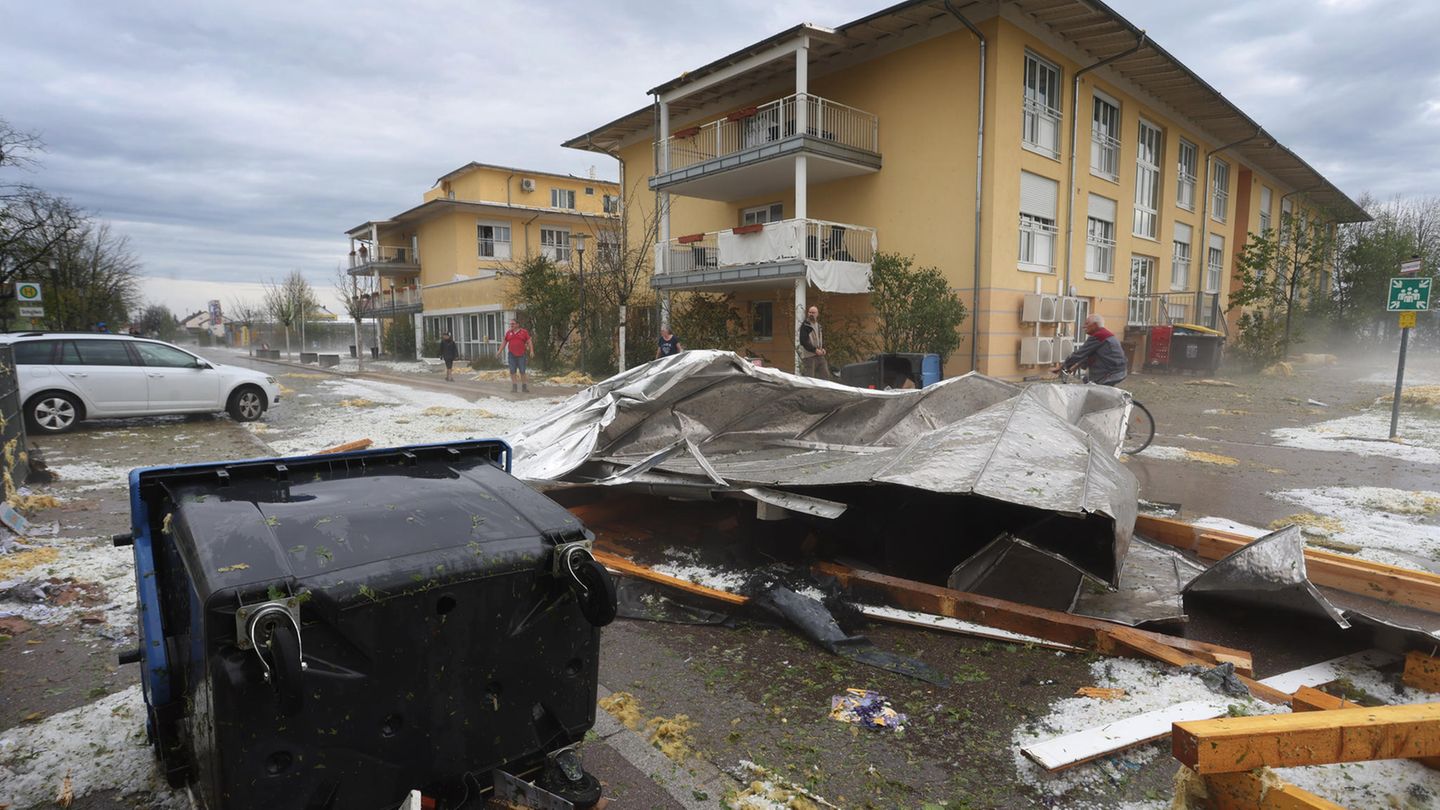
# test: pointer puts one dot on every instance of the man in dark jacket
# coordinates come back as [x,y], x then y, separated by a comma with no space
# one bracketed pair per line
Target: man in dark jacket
[812,346]
[1101,353]
[448,352]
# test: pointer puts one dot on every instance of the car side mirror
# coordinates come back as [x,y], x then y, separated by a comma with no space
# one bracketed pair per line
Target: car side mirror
[202,365]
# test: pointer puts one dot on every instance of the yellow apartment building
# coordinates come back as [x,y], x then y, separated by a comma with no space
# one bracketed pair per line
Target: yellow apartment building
[1046,155]
[442,262]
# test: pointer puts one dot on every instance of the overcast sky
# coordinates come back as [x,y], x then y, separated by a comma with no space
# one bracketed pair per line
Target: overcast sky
[233,142]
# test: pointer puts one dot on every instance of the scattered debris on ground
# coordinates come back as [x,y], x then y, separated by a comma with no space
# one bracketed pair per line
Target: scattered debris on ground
[866,708]
[767,790]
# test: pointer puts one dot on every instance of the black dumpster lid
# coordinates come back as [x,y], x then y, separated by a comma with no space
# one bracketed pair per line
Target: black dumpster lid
[254,522]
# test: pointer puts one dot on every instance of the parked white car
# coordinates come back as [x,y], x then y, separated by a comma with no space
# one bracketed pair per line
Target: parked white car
[65,378]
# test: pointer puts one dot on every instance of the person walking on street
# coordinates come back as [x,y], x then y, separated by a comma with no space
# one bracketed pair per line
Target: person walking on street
[449,352]
[669,343]
[1101,353]
[516,347]
[812,347]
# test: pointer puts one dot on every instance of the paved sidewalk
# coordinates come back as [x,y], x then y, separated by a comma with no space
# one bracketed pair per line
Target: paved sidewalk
[461,385]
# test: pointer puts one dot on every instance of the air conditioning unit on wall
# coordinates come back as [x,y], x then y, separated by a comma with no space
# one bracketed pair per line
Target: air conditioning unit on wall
[1069,309]
[1037,351]
[1064,347]
[1040,308]
[527,184]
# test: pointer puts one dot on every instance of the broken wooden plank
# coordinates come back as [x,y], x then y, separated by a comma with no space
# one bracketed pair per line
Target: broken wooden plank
[932,622]
[1078,631]
[1234,744]
[1133,639]
[1404,586]
[1252,791]
[624,566]
[1092,743]
[358,444]
[1421,671]
[1310,699]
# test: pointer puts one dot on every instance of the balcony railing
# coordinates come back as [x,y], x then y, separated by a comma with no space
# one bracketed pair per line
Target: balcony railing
[387,301]
[768,123]
[785,241]
[1163,309]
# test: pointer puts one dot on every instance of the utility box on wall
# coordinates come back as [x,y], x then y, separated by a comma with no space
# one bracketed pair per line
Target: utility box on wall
[1040,308]
[1037,351]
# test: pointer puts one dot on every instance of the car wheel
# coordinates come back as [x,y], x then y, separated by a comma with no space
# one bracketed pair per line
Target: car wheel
[53,412]
[247,404]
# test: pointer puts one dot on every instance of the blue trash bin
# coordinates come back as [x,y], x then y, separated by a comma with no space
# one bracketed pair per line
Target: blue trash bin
[930,372]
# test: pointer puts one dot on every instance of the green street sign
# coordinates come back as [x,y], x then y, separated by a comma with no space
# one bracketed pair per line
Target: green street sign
[1409,295]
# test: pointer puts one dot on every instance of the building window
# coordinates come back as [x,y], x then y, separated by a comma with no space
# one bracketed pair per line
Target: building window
[493,240]
[1265,195]
[1105,138]
[774,212]
[1214,263]
[1185,182]
[1082,311]
[611,203]
[1100,240]
[1147,182]
[562,198]
[1041,126]
[1220,191]
[589,191]
[555,244]
[1038,197]
[762,320]
[1142,283]
[1180,258]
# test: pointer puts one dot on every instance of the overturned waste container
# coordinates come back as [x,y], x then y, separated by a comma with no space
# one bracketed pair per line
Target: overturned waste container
[334,631]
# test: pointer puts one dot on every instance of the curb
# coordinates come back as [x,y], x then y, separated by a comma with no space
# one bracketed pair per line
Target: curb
[685,784]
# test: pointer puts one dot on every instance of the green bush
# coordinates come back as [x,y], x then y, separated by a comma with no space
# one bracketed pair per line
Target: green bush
[431,347]
[915,308]
[706,321]
[400,339]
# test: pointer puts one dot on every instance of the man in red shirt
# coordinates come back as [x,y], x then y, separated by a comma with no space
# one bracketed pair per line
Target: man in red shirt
[516,347]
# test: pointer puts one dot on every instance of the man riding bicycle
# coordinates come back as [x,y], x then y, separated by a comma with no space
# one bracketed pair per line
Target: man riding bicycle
[1101,353]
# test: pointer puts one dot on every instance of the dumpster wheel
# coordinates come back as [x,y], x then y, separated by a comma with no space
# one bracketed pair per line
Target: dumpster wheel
[282,659]
[597,595]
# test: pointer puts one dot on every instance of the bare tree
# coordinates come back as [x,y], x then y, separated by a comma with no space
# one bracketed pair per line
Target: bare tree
[349,288]
[92,277]
[288,302]
[623,263]
[33,223]
[246,313]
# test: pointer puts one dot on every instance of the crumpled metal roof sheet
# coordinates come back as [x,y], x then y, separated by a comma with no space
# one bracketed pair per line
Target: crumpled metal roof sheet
[712,421]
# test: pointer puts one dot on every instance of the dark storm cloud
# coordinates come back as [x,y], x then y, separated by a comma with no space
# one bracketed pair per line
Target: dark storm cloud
[236,141]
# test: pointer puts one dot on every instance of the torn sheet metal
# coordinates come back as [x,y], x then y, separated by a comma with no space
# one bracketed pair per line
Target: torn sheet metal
[1039,461]
[1269,572]
[1149,591]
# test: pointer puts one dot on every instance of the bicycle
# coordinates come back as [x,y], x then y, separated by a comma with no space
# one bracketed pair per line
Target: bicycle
[1139,427]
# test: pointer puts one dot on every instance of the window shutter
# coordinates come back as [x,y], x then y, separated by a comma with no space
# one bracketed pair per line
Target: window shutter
[1183,233]
[1102,208]
[1217,242]
[1038,196]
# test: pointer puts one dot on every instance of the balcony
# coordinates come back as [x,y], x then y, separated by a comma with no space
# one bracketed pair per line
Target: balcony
[1164,309]
[740,155]
[835,257]
[390,303]
[385,261]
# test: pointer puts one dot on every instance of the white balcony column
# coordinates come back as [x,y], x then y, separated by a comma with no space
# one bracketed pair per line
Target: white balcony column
[801,190]
[802,84]
[374,242]
[662,155]
[665,309]
[799,319]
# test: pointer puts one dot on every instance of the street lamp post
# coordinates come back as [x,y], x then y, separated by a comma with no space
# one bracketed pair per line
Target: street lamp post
[579,239]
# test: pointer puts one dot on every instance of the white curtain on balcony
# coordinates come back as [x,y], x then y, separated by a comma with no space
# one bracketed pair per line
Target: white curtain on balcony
[779,242]
[839,277]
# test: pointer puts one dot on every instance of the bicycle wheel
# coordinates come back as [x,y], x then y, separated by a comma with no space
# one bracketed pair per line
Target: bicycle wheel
[1139,430]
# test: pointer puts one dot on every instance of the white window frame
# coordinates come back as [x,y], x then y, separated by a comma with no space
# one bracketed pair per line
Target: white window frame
[761,214]
[1214,263]
[1149,157]
[1105,137]
[562,198]
[555,244]
[611,203]
[1220,190]
[754,312]
[1267,199]
[1099,249]
[500,249]
[1038,230]
[1042,111]
[1181,255]
[1138,312]
[1186,159]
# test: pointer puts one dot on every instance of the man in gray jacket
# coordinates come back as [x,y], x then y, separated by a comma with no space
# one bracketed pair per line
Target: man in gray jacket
[812,346]
[1101,353]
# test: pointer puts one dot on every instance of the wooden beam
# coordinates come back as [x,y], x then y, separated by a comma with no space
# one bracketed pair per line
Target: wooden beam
[1310,699]
[1235,744]
[624,566]
[1248,791]
[1403,586]
[1143,644]
[1421,671]
[1078,631]
[358,444]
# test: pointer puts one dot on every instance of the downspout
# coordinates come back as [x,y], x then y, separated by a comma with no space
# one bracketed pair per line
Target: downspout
[979,183]
[508,178]
[1074,141]
[528,254]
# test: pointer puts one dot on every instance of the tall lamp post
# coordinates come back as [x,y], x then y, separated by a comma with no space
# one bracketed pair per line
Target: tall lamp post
[579,240]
